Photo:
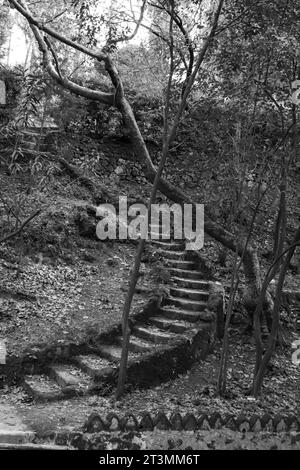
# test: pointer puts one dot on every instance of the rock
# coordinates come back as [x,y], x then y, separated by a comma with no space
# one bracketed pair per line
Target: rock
[112,262]
[69,258]
[201,344]
[90,258]
[119,170]
[94,424]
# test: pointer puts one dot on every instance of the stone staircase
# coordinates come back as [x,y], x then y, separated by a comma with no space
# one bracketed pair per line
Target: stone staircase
[160,346]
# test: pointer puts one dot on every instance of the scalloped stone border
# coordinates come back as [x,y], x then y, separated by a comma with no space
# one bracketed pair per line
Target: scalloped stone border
[189,422]
[113,424]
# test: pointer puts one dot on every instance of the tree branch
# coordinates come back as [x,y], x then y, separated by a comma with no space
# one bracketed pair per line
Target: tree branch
[53,55]
[16,232]
[178,21]
[173,193]
[96,95]
[22,8]
[137,24]
[57,16]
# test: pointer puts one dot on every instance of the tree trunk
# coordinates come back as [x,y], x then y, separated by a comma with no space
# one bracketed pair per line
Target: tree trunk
[119,100]
[260,372]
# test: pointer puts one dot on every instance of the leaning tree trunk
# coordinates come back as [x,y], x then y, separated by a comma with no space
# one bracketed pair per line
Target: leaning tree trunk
[118,99]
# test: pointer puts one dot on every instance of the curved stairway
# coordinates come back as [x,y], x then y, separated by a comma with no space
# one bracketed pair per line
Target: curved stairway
[153,344]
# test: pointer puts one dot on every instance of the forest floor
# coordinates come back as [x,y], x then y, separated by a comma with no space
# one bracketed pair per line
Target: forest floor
[63,302]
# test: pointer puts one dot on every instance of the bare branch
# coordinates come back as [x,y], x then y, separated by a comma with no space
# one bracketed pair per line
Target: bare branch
[278,106]
[22,8]
[187,40]
[16,232]
[166,40]
[193,75]
[56,16]
[138,22]
[36,27]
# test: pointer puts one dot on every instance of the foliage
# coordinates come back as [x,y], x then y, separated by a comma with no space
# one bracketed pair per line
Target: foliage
[258,59]
[4,28]
[13,89]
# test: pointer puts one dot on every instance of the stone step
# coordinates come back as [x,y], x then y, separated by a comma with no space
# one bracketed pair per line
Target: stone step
[69,376]
[173,246]
[136,345]
[175,255]
[186,315]
[180,264]
[191,283]
[179,326]
[185,273]
[94,365]
[192,294]
[175,326]
[155,335]
[42,388]
[186,304]
[159,236]
[110,352]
